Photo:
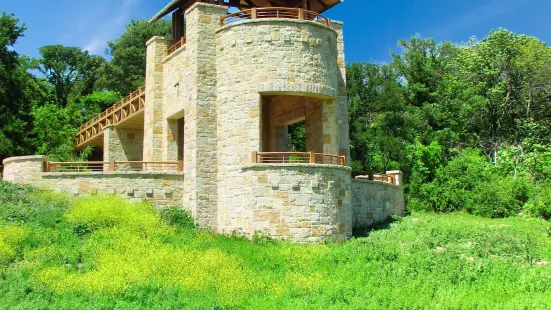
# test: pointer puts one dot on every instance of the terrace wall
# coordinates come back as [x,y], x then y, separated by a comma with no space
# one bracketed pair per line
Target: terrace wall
[300,202]
[374,202]
[159,188]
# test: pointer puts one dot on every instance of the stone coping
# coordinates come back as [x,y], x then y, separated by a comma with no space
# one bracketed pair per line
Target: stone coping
[375,182]
[115,173]
[207,5]
[288,165]
[24,158]
[172,55]
[318,91]
[157,38]
[276,20]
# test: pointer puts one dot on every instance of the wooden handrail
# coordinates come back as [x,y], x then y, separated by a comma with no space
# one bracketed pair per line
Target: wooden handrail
[393,179]
[297,158]
[116,114]
[176,45]
[112,166]
[275,12]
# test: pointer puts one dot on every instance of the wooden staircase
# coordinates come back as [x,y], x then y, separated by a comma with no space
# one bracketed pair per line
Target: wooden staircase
[128,113]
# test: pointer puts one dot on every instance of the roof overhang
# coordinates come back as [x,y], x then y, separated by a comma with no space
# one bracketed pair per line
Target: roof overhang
[318,6]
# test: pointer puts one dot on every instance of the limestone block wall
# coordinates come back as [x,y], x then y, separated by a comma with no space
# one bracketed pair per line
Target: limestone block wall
[202,22]
[303,203]
[160,188]
[154,122]
[122,144]
[183,86]
[374,202]
[266,57]
[23,170]
[179,89]
[342,97]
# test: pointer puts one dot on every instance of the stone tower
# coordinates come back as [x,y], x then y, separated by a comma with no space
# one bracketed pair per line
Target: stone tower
[230,87]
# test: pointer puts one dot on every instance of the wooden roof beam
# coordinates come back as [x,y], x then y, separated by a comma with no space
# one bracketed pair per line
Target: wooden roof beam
[325,7]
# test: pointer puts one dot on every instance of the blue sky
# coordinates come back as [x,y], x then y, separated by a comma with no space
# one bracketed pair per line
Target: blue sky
[372,28]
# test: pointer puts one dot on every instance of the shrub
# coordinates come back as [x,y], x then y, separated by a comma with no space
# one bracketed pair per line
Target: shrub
[500,197]
[176,216]
[92,213]
[11,239]
[471,183]
[540,204]
[454,184]
[23,204]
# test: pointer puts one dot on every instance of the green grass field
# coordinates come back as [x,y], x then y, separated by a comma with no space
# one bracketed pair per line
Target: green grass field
[104,253]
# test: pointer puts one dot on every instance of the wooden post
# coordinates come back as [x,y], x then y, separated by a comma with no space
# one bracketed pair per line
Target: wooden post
[112,166]
[180,166]
[253,13]
[301,14]
[47,166]
[312,157]
[255,157]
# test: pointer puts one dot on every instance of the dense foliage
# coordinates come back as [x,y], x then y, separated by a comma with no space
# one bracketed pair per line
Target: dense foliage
[105,253]
[40,114]
[468,124]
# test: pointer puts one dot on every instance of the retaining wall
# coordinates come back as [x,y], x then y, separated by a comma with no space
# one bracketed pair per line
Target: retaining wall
[374,202]
[301,202]
[160,188]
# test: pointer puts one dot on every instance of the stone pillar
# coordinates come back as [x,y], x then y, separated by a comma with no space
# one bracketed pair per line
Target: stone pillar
[201,187]
[314,126]
[397,176]
[281,138]
[170,142]
[342,97]
[330,127]
[122,144]
[154,122]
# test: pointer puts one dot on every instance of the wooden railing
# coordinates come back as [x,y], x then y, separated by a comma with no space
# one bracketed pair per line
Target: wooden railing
[118,113]
[390,177]
[114,166]
[275,12]
[176,45]
[297,158]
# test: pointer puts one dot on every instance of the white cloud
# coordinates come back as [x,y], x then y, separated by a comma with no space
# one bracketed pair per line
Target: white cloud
[110,26]
[96,46]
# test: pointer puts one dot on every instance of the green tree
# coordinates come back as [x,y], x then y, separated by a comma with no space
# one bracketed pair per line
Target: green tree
[17,88]
[55,129]
[126,71]
[70,71]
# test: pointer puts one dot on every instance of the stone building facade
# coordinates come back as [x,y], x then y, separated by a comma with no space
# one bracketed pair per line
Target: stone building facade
[230,91]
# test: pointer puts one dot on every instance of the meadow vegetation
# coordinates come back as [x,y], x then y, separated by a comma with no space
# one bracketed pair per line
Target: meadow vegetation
[103,253]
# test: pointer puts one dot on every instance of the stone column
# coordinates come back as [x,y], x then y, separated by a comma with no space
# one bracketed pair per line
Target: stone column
[281,138]
[330,127]
[397,177]
[153,113]
[201,187]
[314,126]
[342,98]
[122,144]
